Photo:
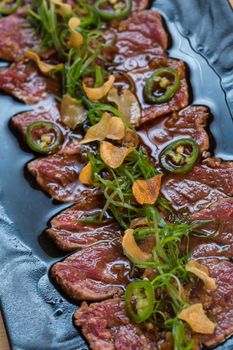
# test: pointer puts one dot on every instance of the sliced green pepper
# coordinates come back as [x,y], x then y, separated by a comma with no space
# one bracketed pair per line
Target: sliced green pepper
[109,10]
[88,17]
[180,156]
[43,137]
[162,85]
[4,10]
[139,300]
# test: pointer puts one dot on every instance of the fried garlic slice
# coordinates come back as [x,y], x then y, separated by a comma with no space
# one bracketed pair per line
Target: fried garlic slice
[72,112]
[116,129]
[98,131]
[195,316]
[85,175]
[132,250]
[131,138]
[147,191]
[113,156]
[127,104]
[201,272]
[139,222]
[108,127]
[99,92]
[63,9]
[76,38]
[44,67]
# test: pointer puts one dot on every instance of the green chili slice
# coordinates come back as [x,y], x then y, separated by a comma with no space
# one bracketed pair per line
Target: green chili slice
[180,156]
[108,10]
[162,85]
[43,137]
[139,300]
[5,10]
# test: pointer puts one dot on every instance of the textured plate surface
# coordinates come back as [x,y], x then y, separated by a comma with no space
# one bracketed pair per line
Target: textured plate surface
[37,316]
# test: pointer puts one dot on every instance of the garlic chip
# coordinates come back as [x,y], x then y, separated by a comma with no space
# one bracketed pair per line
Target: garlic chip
[127,104]
[63,9]
[116,129]
[201,272]
[85,175]
[147,191]
[113,156]
[74,22]
[139,222]
[100,92]
[132,250]
[72,112]
[131,138]
[76,38]
[45,68]
[195,316]
[108,127]
[98,131]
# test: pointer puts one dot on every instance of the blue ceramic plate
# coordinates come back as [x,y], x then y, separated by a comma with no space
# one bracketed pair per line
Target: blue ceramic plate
[37,315]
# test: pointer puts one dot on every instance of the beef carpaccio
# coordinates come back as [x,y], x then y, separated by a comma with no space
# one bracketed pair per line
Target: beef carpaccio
[150,226]
[137,40]
[50,112]
[23,81]
[17,36]
[70,231]
[206,184]
[59,176]
[95,273]
[107,326]
[177,102]
[189,122]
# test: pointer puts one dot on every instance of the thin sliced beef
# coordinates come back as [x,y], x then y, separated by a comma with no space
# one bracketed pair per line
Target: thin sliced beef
[23,81]
[177,102]
[94,273]
[137,40]
[221,307]
[69,233]
[17,36]
[206,184]
[106,326]
[220,217]
[59,176]
[189,122]
[208,248]
[142,31]
[50,112]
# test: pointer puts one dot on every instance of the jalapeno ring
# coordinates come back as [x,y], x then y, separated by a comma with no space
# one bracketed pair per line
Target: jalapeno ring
[140,300]
[111,14]
[44,146]
[180,156]
[10,10]
[168,88]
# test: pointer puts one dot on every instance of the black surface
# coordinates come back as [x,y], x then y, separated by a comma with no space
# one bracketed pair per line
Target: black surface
[36,315]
